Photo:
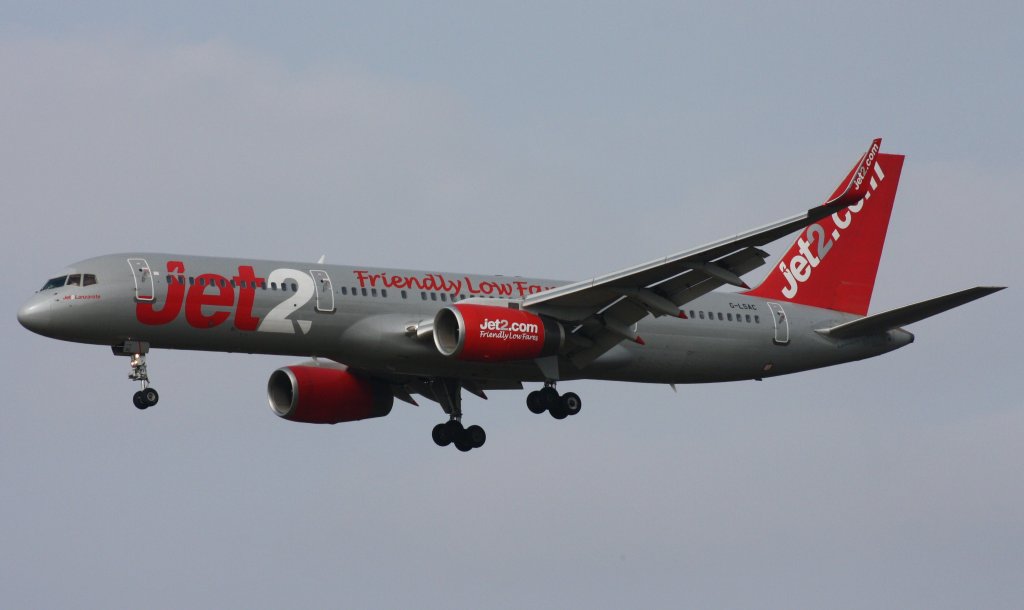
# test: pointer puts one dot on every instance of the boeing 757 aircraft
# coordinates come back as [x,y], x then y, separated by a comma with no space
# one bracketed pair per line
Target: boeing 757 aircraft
[374,335]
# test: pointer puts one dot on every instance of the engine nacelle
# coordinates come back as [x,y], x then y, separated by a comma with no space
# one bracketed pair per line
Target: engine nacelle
[485,333]
[325,395]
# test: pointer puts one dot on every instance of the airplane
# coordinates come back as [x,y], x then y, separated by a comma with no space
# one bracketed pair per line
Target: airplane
[375,335]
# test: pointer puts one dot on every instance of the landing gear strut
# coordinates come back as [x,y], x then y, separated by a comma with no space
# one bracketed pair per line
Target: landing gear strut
[147,396]
[448,392]
[548,399]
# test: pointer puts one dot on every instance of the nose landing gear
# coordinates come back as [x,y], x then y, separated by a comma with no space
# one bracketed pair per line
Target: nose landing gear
[147,396]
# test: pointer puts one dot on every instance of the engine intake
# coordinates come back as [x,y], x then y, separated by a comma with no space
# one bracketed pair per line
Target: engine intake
[325,395]
[485,333]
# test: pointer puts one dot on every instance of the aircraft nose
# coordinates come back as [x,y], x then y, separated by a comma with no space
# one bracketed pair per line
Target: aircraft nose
[35,314]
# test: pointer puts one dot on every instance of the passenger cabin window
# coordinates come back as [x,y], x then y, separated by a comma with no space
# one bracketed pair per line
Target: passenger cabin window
[404,295]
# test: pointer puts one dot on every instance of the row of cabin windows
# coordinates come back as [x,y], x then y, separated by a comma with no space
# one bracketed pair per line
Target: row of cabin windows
[727,317]
[366,292]
[223,283]
[292,286]
[425,296]
[89,279]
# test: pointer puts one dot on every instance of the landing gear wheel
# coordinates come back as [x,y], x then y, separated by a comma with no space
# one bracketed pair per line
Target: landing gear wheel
[571,403]
[150,396]
[533,403]
[476,436]
[441,436]
[558,412]
[447,433]
[463,444]
[547,398]
[454,429]
[140,404]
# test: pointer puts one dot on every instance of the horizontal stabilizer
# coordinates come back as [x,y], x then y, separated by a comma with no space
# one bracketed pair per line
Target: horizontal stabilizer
[902,316]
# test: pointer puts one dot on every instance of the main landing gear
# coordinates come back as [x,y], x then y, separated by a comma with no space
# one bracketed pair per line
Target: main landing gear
[465,439]
[448,392]
[147,396]
[548,399]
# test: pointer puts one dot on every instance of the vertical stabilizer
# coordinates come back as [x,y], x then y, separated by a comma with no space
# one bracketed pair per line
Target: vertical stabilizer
[833,263]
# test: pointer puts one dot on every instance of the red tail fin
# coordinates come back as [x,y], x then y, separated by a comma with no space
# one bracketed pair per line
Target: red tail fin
[833,262]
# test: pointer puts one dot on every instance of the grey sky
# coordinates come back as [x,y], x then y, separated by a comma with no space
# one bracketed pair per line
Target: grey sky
[553,140]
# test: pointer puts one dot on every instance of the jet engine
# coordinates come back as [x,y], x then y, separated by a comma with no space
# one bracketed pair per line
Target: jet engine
[486,333]
[326,395]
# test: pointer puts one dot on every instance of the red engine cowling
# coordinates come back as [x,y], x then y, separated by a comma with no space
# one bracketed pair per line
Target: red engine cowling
[485,333]
[324,395]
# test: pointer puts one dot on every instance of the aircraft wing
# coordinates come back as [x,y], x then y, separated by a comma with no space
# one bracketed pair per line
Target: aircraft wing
[909,314]
[604,308]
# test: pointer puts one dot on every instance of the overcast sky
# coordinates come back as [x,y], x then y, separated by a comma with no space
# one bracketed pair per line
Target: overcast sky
[544,139]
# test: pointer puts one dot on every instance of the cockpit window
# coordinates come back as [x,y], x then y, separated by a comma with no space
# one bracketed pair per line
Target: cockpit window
[88,279]
[56,282]
[75,279]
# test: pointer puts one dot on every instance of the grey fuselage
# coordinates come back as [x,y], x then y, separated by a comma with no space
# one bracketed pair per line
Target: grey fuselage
[365,317]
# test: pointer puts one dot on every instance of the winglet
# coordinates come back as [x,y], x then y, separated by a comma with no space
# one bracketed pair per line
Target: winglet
[852,188]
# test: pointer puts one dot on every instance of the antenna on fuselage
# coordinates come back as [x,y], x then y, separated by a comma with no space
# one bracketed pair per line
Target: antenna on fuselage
[322,258]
